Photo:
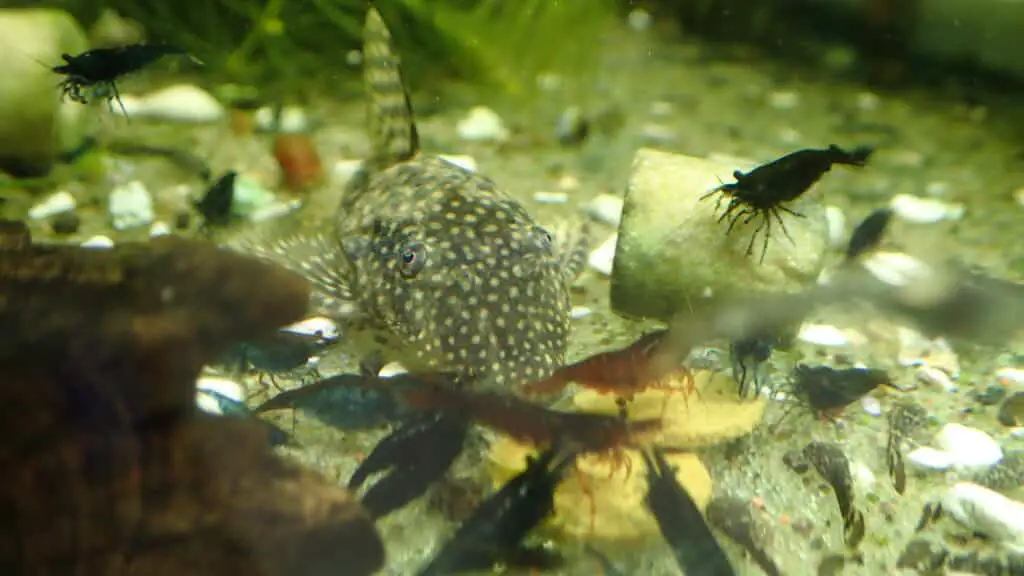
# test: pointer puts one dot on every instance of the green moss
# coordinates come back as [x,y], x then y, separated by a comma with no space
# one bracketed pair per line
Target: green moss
[291,49]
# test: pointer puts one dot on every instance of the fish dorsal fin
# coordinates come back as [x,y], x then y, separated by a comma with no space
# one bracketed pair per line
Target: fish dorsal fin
[392,126]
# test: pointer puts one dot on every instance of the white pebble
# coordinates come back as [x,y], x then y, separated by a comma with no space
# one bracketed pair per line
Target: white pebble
[344,170]
[392,369]
[550,197]
[293,120]
[130,206]
[924,210]
[275,209]
[603,258]
[987,512]
[930,458]
[822,335]
[871,405]
[897,269]
[936,377]
[606,208]
[578,312]
[1018,195]
[159,229]
[98,242]
[968,447]
[223,386]
[863,477]
[836,226]
[354,58]
[207,403]
[315,326]
[783,100]
[464,161]
[177,103]
[52,205]
[639,19]
[1010,376]
[868,101]
[482,125]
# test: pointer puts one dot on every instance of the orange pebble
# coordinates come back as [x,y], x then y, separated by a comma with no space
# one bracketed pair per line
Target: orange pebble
[299,161]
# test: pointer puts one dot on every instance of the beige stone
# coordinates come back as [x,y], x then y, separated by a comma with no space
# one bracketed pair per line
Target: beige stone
[672,250]
[35,126]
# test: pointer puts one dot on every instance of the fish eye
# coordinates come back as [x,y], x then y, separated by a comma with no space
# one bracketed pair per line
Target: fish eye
[413,258]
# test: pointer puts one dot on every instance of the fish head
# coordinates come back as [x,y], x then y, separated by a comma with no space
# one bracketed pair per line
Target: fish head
[474,288]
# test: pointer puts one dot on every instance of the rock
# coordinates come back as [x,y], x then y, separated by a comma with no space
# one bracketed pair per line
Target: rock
[130,206]
[968,447]
[159,229]
[1011,413]
[111,29]
[182,103]
[482,125]
[99,242]
[36,126]
[603,257]
[606,208]
[987,512]
[672,250]
[292,120]
[921,210]
[52,205]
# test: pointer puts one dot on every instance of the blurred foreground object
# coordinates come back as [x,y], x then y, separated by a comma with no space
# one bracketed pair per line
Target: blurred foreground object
[110,469]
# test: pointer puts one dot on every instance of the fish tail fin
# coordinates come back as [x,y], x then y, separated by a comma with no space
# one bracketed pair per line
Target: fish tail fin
[392,127]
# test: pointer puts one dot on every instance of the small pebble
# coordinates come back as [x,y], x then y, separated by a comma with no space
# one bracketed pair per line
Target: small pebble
[1010,376]
[275,209]
[52,205]
[482,124]
[639,19]
[823,335]
[868,101]
[250,196]
[836,227]
[661,109]
[578,312]
[938,188]
[293,120]
[1018,195]
[65,223]
[392,369]
[130,206]
[98,242]
[551,197]
[897,269]
[935,377]
[464,161]
[968,447]
[987,512]
[159,229]
[344,170]
[783,100]
[223,386]
[918,350]
[602,259]
[930,458]
[606,208]
[182,220]
[315,326]
[658,134]
[178,103]
[568,182]
[871,405]
[921,210]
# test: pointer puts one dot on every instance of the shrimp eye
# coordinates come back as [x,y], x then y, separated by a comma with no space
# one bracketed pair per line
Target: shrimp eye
[413,259]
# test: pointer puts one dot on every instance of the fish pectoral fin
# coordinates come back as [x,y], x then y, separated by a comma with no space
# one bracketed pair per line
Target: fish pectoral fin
[315,256]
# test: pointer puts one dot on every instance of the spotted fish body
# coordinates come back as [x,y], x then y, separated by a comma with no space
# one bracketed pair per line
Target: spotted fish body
[430,264]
